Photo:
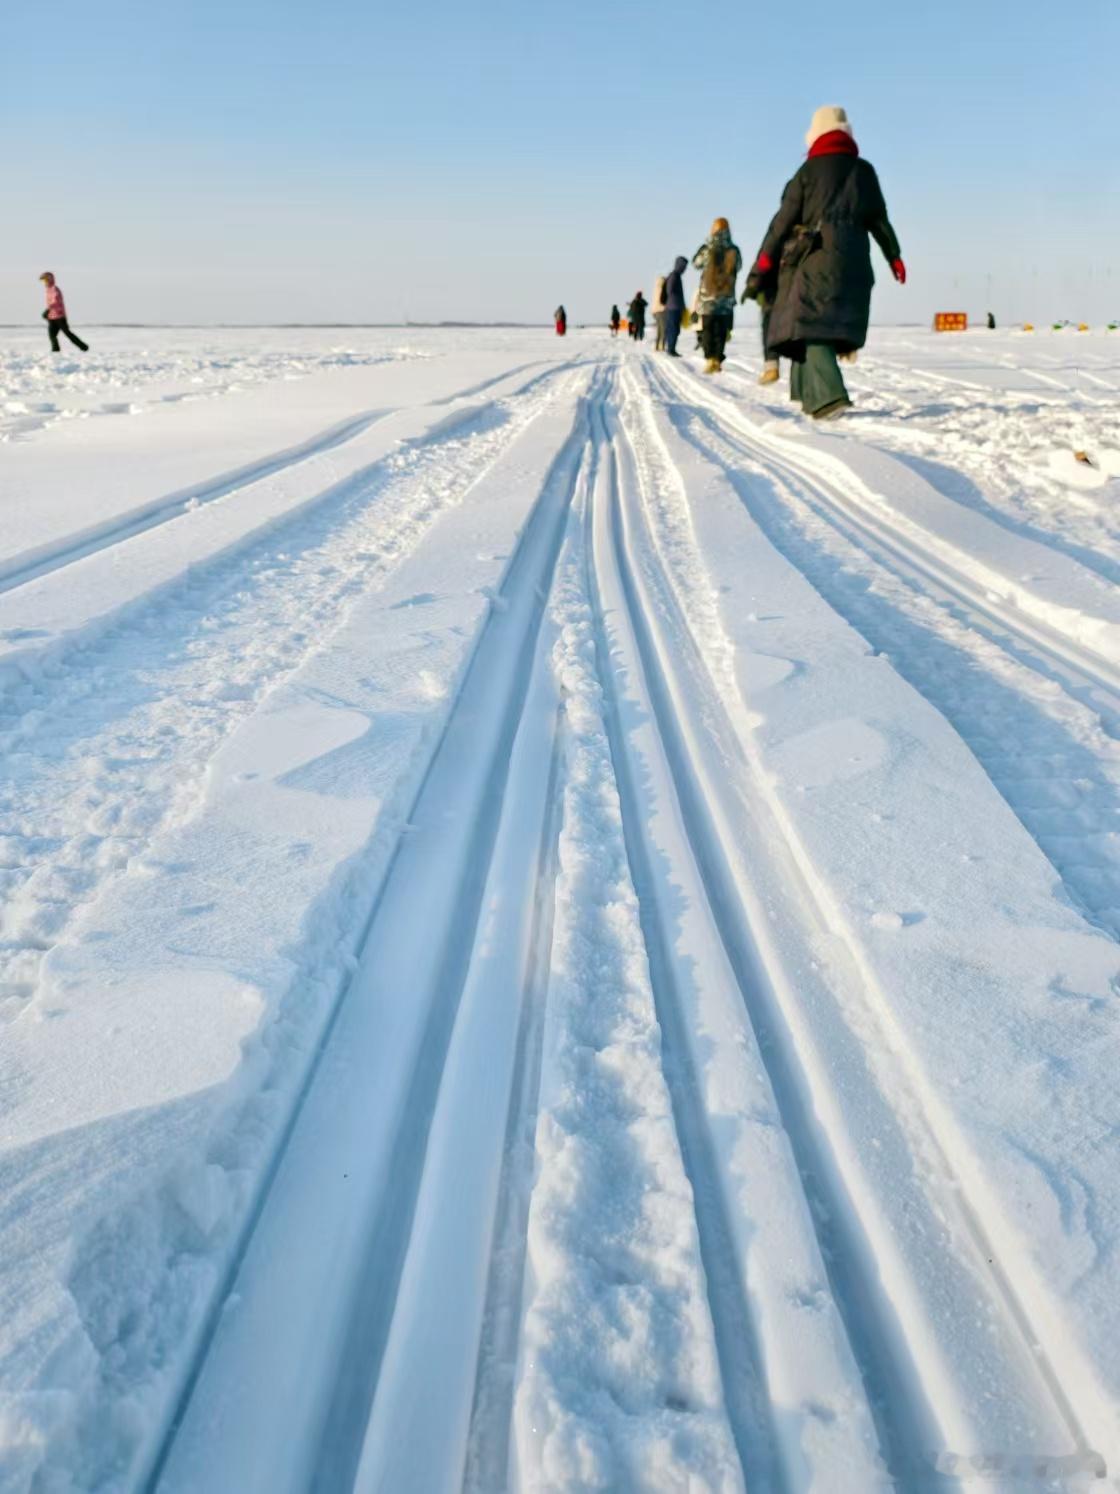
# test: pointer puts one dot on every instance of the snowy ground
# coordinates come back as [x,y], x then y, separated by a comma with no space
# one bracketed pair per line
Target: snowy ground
[559,923]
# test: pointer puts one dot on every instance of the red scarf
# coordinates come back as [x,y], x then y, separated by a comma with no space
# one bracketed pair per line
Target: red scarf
[835,143]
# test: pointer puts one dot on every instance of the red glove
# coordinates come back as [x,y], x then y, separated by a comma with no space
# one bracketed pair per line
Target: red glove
[764,264]
[898,270]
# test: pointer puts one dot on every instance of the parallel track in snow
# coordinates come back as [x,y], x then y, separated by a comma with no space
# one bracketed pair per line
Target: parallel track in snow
[49,559]
[1044,647]
[183,668]
[45,560]
[693,974]
[910,1224]
[419,955]
[846,1267]
[487,1461]
[1016,743]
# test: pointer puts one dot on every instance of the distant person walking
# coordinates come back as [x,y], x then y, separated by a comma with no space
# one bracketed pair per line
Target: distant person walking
[616,320]
[674,305]
[638,317]
[818,247]
[991,321]
[55,315]
[719,263]
[658,305]
[561,321]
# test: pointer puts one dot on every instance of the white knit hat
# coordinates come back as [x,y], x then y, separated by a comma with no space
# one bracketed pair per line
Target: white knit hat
[827,118]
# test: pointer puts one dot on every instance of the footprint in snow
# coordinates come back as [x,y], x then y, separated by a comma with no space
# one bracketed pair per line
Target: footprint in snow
[885,919]
[421,599]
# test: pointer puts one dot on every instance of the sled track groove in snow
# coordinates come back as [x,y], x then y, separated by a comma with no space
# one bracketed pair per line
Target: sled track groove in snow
[180,669]
[487,1461]
[396,1020]
[21,569]
[384,1254]
[1091,876]
[910,1392]
[736,1340]
[1045,648]
[480,388]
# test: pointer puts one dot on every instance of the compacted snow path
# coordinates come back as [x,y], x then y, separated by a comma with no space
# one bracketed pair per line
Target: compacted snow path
[96,764]
[1040,711]
[560,932]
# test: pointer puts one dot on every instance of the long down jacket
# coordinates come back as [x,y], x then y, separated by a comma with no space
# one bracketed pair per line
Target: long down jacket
[824,268]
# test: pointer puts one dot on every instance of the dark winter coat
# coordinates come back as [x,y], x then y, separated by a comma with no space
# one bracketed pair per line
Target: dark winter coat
[674,286]
[819,243]
[638,310]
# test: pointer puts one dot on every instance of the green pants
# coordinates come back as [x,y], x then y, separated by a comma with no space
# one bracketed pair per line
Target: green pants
[817,381]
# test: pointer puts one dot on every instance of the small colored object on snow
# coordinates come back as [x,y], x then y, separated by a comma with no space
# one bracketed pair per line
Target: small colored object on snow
[950,321]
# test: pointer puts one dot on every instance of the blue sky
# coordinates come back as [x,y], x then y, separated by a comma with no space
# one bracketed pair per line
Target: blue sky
[244,161]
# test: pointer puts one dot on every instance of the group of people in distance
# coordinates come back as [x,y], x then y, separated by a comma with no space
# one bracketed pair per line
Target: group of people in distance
[811,277]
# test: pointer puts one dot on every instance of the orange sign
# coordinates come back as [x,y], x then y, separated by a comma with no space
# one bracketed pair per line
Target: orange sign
[951,321]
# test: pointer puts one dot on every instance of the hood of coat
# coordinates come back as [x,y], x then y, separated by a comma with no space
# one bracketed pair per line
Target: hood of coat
[680,264]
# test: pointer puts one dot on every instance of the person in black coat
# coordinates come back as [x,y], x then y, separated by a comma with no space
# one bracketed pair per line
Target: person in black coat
[674,305]
[816,261]
[616,320]
[638,317]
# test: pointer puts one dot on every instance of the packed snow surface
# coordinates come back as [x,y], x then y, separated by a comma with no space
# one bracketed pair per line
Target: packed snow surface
[559,922]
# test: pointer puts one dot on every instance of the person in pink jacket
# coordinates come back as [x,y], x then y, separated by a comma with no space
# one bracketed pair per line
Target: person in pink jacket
[55,315]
